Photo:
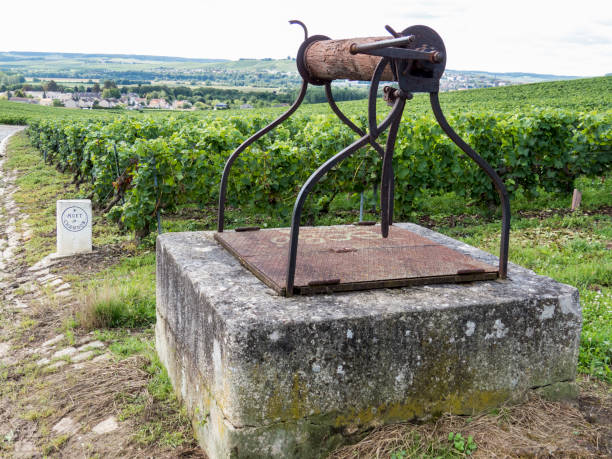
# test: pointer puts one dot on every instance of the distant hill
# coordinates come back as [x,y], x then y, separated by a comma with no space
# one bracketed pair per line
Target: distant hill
[29,55]
[270,73]
[264,73]
[520,77]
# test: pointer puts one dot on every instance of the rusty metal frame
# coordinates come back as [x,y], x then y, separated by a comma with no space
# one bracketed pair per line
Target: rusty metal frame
[495,178]
[392,119]
[411,78]
[352,257]
[247,143]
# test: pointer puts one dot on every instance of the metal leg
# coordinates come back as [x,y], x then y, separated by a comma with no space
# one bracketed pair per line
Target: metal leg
[486,167]
[374,130]
[301,199]
[391,196]
[387,174]
[312,181]
[380,150]
[247,143]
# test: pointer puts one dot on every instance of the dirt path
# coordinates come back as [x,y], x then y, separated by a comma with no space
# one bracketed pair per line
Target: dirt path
[6,131]
[21,300]
[62,392]
[9,213]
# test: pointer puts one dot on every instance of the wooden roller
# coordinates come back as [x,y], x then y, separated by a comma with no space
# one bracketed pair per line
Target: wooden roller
[328,60]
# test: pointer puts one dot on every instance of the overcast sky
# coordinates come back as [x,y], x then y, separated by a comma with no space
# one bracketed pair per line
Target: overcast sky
[541,36]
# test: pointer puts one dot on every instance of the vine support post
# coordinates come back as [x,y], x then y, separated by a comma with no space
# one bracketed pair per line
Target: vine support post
[157,215]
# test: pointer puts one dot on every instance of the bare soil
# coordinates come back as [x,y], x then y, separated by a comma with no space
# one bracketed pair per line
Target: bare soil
[535,429]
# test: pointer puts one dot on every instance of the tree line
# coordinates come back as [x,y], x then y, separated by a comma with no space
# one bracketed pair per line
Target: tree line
[201,97]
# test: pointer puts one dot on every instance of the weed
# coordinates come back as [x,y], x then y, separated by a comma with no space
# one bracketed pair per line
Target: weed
[110,307]
[55,445]
[154,432]
[69,333]
[120,296]
[26,324]
[131,345]
[36,414]
[461,444]
[8,438]
[160,386]
[134,406]
[596,340]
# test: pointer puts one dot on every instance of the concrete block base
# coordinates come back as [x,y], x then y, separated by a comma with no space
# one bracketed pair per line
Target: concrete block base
[267,376]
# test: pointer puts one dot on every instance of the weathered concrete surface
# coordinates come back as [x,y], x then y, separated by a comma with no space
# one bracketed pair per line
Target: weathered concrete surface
[268,376]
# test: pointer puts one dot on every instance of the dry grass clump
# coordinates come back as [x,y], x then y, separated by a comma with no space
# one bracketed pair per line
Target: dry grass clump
[535,429]
[94,394]
[111,306]
[94,309]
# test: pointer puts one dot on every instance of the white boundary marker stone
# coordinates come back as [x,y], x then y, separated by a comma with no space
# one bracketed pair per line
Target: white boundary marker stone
[74,220]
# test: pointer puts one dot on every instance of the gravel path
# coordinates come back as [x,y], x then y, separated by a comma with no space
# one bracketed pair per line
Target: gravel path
[5,131]
[9,238]
[21,287]
[58,391]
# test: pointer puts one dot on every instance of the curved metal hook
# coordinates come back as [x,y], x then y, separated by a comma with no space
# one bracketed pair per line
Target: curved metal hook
[347,121]
[389,29]
[486,167]
[372,96]
[247,143]
[314,179]
[295,21]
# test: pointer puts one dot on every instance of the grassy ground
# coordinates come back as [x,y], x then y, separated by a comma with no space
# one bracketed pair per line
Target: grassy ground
[117,302]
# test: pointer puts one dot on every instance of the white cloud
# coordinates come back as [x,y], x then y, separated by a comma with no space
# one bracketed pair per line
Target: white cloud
[559,37]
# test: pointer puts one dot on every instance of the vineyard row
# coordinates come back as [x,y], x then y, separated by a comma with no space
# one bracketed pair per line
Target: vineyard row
[137,167]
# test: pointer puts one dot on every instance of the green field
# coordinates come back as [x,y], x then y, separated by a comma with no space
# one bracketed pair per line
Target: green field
[581,95]
[39,63]
[274,73]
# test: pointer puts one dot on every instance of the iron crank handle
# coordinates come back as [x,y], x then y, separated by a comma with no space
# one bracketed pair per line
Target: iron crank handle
[401,53]
[364,47]
[389,48]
